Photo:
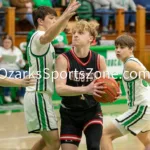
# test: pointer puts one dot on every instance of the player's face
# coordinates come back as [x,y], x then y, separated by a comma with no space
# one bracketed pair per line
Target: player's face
[7,43]
[48,21]
[123,52]
[81,38]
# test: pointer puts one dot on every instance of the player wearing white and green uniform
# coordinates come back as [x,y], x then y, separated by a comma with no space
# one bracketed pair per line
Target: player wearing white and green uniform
[138,97]
[38,108]
[138,90]
[39,112]
[136,79]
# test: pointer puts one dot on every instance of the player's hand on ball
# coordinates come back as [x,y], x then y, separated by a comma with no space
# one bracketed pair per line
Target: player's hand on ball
[96,88]
[118,95]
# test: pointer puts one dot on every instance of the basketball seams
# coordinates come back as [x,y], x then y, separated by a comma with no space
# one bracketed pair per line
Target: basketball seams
[111,91]
[113,87]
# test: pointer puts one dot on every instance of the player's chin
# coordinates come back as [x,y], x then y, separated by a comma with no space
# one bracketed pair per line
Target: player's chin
[75,43]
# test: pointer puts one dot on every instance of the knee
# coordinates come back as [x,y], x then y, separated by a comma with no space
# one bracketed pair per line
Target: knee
[57,146]
[146,143]
[94,146]
[53,144]
[145,139]
[107,136]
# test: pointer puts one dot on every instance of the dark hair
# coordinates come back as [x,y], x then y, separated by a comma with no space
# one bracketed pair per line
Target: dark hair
[42,12]
[125,40]
[10,38]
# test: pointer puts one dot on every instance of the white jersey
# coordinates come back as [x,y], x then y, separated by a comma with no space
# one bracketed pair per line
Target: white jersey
[137,90]
[41,58]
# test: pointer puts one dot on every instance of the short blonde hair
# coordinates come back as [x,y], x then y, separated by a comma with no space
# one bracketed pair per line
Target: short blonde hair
[83,25]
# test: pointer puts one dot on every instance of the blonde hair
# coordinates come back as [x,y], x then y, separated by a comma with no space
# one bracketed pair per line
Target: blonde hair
[83,25]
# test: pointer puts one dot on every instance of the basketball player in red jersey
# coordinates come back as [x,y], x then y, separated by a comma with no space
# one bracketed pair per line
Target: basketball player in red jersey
[77,69]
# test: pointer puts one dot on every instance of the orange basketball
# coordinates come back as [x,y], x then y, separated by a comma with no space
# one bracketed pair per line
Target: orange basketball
[111,91]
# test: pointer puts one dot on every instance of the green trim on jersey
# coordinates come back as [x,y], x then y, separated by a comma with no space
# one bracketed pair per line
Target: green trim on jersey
[131,93]
[145,83]
[41,65]
[28,57]
[41,55]
[130,80]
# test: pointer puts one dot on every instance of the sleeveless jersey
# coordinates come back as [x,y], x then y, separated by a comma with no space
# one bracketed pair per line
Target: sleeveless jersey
[80,74]
[41,65]
[137,90]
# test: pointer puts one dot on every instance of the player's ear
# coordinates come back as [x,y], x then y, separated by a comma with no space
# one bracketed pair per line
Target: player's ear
[40,21]
[131,49]
[91,38]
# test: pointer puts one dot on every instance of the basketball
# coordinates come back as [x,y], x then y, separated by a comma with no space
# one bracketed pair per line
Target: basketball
[111,91]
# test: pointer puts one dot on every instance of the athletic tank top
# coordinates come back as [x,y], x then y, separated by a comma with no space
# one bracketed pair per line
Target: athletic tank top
[42,65]
[80,74]
[137,90]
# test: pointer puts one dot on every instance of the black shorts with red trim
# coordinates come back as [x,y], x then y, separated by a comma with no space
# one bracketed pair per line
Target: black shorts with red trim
[73,122]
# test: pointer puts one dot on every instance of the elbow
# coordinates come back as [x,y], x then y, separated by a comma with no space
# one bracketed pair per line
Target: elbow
[59,90]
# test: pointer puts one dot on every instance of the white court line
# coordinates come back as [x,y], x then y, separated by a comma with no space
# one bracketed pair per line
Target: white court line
[19,137]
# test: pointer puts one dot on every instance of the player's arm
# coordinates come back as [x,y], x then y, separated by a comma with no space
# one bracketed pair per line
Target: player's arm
[135,69]
[102,66]
[11,82]
[60,24]
[65,90]
[103,69]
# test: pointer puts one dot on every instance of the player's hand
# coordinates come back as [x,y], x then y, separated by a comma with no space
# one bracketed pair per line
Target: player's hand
[118,95]
[96,89]
[28,81]
[71,9]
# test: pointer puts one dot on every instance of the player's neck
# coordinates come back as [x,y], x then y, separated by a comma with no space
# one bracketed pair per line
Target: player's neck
[40,28]
[127,58]
[81,52]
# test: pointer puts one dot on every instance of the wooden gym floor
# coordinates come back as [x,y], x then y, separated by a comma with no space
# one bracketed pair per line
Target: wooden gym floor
[14,136]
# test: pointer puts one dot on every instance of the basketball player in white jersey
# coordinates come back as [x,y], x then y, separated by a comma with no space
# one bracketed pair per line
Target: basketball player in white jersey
[136,120]
[39,113]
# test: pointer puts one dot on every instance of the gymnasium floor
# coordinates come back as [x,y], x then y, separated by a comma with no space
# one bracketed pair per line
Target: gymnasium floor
[14,136]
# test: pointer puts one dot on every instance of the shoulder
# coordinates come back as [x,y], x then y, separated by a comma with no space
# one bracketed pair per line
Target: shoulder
[131,65]
[62,58]
[101,58]
[38,33]
[132,61]
[62,61]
